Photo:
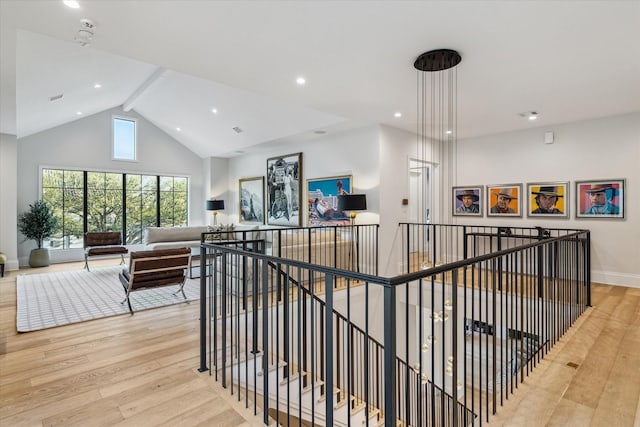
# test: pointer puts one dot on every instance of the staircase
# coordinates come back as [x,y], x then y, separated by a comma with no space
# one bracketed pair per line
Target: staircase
[297,396]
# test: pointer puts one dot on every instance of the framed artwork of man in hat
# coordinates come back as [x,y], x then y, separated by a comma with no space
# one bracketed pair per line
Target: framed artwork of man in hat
[504,200]
[467,201]
[600,199]
[550,199]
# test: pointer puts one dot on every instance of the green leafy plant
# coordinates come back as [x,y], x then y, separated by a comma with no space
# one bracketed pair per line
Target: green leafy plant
[38,223]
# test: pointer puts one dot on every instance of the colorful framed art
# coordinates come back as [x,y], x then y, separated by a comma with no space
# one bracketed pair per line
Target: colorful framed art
[468,201]
[548,199]
[603,198]
[322,200]
[504,200]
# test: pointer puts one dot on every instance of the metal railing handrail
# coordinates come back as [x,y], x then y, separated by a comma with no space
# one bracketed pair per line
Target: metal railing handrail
[492,260]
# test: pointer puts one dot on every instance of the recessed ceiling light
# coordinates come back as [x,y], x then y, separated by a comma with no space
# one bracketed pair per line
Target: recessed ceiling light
[214,110]
[449,132]
[301,81]
[73,4]
[178,129]
[97,86]
[78,113]
[530,115]
[398,114]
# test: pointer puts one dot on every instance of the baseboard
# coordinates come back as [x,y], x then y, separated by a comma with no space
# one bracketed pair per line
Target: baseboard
[11,265]
[615,278]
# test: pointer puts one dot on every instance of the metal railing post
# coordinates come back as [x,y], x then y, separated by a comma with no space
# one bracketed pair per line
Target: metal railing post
[203,310]
[328,352]
[389,355]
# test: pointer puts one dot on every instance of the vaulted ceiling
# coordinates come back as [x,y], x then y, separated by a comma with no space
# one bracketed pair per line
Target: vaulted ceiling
[173,62]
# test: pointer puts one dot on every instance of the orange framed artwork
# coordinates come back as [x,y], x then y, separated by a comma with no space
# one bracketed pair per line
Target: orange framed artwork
[504,200]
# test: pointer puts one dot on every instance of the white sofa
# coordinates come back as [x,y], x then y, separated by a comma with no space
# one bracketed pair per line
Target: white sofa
[180,237]
[173,237]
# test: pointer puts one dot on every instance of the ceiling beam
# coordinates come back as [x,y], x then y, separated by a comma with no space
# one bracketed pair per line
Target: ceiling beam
[131,101]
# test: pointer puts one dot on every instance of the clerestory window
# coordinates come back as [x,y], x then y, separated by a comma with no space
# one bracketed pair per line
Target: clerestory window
[124,138]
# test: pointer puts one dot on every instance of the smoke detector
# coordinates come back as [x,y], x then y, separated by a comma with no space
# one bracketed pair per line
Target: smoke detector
[85,33]
[87,24]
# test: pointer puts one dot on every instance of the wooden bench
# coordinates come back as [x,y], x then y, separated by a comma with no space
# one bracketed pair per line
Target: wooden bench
[98,243]
[152,269]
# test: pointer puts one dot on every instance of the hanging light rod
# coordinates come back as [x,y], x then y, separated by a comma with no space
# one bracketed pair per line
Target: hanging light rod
[437,60]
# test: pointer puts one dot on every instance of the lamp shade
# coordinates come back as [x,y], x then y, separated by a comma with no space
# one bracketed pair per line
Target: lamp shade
[352,202]
[215,205]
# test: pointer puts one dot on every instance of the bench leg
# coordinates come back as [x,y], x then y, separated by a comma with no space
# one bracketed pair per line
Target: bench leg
[181,289]
[126,298]
[122,259]
[86,262]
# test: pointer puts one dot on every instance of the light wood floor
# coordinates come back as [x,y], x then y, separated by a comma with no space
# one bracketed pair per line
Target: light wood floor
[142,370]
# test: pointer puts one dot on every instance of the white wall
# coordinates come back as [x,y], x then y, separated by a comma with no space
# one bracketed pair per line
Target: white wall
[353,152]
[8,206]
[397,147]
[86,144]
[606,148]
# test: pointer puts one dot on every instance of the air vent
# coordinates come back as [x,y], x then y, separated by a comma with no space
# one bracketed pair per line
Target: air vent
[56,97]
[237,129]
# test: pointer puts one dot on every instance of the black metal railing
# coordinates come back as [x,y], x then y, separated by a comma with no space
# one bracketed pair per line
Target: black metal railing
[439,345]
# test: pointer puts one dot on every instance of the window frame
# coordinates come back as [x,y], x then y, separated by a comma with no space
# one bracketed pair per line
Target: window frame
[124,174]
[113,138]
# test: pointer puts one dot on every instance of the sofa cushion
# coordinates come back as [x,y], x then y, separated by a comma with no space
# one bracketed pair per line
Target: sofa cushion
[173,245]
[173,234]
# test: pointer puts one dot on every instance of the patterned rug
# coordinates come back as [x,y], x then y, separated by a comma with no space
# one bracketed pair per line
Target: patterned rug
[54,299]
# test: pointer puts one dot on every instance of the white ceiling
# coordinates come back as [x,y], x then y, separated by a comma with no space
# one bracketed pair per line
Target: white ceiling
[173,61]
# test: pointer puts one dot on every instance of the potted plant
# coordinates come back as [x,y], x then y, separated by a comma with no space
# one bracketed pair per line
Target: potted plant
[38,223]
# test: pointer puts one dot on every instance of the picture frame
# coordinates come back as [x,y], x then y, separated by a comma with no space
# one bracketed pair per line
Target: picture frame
[284,190]
[600,199]
[468,200]
[322,200]
[251,200]
[504,200]
[548,199]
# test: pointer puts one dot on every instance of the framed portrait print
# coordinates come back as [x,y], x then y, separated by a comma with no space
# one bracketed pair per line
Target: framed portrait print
[322,200]
[284,190]
[468,201]
[504,200]
[600,198]
[548,199]
[251,193]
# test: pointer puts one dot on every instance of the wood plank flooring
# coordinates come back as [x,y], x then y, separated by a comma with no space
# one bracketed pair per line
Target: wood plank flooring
[138,370]
[141,370]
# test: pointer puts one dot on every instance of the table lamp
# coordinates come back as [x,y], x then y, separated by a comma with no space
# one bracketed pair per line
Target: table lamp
[215,206]
[353,203]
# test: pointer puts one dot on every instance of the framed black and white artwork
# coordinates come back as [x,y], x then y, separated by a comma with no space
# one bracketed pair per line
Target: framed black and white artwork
[284,190]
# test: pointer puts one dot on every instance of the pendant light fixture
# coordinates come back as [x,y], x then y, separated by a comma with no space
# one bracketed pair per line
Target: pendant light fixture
[437,122]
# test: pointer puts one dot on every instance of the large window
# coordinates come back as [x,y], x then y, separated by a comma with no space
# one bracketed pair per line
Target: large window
[64,190]
[124,139]
[105,201]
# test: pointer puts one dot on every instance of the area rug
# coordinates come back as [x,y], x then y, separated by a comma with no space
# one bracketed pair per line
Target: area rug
[54,299]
